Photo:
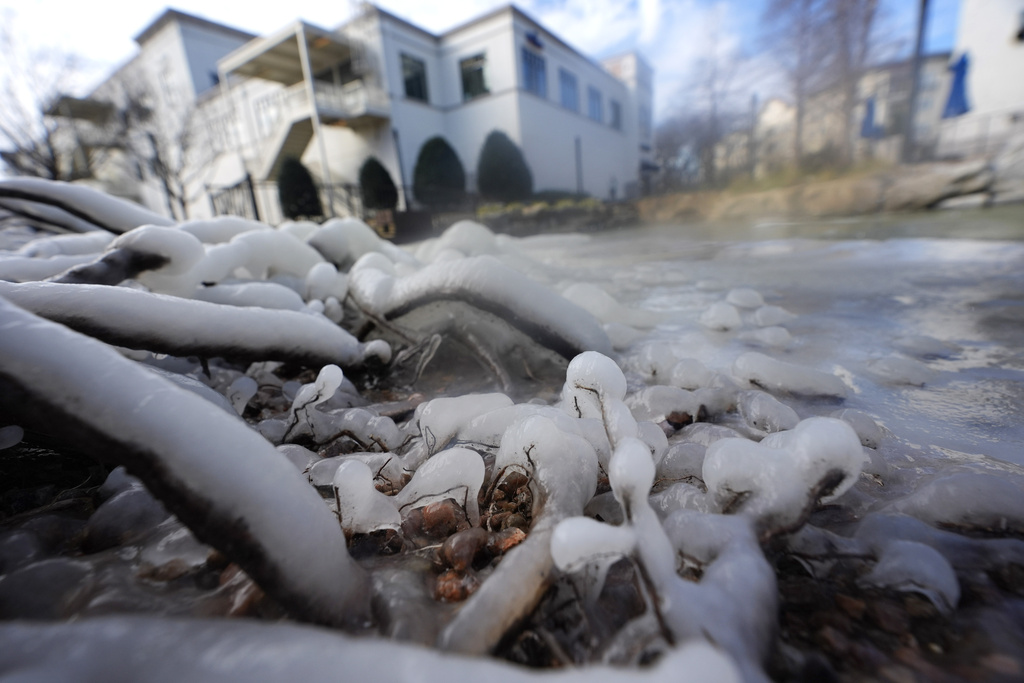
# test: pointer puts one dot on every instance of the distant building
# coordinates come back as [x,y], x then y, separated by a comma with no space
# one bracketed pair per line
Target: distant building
[381,86]
[991,34]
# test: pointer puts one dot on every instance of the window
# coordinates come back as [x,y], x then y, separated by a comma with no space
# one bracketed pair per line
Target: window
[414,73]
[645,123]
[569,89]
[615,109]
[594,107]
[535,78]
[474,81]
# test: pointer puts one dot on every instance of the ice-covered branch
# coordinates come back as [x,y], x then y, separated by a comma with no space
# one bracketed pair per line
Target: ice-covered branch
[488,285]
[105,649]
[563,467]
[232,488]
[180,327]
[75,208]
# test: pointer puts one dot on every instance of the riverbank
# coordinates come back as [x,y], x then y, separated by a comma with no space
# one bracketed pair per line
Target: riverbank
[974,183]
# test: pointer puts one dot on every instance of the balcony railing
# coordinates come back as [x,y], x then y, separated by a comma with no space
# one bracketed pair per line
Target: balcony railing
[351,101]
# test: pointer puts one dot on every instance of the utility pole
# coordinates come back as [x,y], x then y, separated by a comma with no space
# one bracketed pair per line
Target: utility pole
[907,153]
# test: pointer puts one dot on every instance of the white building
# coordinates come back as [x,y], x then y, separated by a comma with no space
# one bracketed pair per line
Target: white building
[991,34]
[382,87]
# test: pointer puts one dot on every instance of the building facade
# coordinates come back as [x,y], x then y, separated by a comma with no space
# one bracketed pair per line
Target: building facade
[381,86]
[990,33]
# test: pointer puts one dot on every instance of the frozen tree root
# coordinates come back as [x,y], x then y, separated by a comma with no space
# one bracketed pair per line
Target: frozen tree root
[74,208]
[122,648]
[221,478]
[181,327]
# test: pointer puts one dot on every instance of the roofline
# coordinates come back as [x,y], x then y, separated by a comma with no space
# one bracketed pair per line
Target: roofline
[171,14]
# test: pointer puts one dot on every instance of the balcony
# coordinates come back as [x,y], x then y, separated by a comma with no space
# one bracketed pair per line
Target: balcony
[304,60]
[351,104]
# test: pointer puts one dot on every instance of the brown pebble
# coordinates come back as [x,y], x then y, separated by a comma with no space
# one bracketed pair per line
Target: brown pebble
[460,548]
[853,607]
[919,607]
[168,571]
[503,541]
[833,641]
[914,660]
[454,586]
[443,518]
[515,521]
[512,482]
[897,674]
[1001,663]
[889,617]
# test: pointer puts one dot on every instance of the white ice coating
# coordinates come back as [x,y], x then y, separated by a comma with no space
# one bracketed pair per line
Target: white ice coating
[361,506]
[913,566]
[899,369]
[771,316]
[323,281]
[99,210]
[721,316]
[11,435]
[563,470]
[344,240]
[483,281]
[659,402]
[745,297]
[259,294]
[734,603]
[441,418]
[867,429]
[30,269]
[778,475]
[67,245]
[456,473]
[605,308]
[156,322]
[220,228]
[777,375]
[217,458]
[765,413]
[182,250]
[772,337]
[466,238]
[208,651]
[969,499]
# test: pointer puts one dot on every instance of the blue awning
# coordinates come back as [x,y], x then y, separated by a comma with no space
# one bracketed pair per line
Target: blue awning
[957,104]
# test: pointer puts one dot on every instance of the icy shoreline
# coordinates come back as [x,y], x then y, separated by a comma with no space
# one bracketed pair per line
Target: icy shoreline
[726,409]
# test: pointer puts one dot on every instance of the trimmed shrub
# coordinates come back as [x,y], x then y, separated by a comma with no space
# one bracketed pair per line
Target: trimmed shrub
[376,185]
[501,172]
[438,179]
[297,192]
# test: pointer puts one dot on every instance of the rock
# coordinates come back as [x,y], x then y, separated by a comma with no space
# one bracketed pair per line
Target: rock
[126,517]
[967,201]
[842,197]
[1008,167]
[926,185]
[50,589]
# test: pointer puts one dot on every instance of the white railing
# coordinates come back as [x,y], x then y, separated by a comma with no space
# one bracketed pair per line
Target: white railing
[345,102]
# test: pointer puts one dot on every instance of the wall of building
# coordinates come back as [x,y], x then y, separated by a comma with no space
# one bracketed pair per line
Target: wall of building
[987,32]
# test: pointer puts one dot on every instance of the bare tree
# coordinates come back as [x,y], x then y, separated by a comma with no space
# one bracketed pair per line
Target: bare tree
[167,144]
[852,24]
[30,135]
[796,33]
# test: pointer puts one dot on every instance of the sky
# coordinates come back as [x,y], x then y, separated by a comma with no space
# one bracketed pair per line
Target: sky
[670,34]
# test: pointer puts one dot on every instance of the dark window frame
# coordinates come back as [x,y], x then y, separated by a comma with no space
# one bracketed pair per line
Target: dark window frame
[595,104]
[569,90]
[535,75]
[475,77]
[415,69]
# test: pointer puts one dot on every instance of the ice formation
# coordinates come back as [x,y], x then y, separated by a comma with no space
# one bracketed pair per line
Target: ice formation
[662,505]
